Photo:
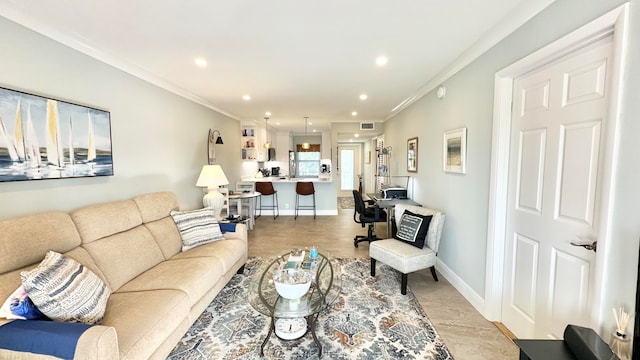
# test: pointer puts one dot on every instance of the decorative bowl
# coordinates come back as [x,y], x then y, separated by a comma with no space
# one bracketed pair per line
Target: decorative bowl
[292,283]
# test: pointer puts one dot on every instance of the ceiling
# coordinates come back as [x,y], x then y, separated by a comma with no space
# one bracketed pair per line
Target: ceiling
[294,58]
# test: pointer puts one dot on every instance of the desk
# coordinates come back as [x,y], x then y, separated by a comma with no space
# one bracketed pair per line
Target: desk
[388,205]
[251,197]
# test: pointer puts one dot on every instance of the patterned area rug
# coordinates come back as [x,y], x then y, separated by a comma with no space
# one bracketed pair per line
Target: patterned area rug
[346,202]
[370,320]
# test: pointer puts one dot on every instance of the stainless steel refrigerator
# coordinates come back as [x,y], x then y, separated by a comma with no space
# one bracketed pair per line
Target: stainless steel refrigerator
[292,164]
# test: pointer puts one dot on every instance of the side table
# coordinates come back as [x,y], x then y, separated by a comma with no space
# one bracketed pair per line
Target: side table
[250,196]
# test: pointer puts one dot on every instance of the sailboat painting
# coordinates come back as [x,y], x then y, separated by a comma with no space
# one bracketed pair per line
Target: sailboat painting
[43,138]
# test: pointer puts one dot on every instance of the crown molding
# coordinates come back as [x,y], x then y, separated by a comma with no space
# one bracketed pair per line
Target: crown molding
[102,56]
[510,23]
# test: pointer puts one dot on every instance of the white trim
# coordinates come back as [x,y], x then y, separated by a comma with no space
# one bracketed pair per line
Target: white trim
[613,23]
[510,23]
[463,288]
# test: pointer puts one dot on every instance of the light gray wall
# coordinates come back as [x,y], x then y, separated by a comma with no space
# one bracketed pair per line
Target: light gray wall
[469,103]
[158,138]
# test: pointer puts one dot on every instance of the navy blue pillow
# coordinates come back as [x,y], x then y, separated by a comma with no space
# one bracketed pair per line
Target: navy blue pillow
[413,228]
[26,309]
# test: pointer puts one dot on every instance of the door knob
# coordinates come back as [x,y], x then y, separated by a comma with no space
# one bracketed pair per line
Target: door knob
[593,246]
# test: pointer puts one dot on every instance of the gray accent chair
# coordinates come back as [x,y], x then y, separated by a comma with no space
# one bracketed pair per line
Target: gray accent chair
[407,258]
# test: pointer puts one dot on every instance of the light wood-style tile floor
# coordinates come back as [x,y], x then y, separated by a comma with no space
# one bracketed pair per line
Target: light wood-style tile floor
[467,334]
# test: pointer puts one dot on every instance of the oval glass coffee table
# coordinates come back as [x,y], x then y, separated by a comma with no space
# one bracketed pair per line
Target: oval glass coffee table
[293,318]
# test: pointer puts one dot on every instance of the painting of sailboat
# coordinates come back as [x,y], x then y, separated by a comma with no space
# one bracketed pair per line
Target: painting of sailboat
[78,146]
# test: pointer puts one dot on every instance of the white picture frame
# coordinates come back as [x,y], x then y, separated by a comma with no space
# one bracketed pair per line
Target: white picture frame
[454,151]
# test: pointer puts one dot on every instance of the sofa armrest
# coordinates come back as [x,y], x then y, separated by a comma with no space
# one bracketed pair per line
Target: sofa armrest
[240,233]
[99,342]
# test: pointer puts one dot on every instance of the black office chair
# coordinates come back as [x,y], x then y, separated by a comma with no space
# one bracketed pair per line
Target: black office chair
[364,214]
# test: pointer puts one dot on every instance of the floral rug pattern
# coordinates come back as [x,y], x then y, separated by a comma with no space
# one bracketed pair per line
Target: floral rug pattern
[369,320]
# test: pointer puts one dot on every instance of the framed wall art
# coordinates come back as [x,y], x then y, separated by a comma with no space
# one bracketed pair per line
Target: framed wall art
[412,154]
[455,151]
[44,138]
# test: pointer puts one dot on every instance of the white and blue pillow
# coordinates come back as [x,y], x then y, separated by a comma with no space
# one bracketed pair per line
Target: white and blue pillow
[20,307]
[197,227]
[65,290]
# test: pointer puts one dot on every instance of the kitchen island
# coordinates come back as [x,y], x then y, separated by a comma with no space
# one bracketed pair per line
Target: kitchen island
[326,195]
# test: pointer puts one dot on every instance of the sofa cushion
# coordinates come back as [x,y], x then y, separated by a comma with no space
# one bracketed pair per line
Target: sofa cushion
[144,319]
[65,290]
[195,277]
[101,220]
[123,256]
[227,251]
[197,227]
[25,240]
[413,228]
[157,205]
[166,234]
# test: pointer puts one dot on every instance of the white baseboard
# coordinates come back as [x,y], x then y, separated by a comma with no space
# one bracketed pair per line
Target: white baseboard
[465,290]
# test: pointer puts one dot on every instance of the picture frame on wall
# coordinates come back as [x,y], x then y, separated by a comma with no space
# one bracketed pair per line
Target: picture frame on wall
[412,155]
[44,138]
[455,151]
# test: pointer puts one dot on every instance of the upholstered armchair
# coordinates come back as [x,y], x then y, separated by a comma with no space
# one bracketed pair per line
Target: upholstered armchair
[407,256]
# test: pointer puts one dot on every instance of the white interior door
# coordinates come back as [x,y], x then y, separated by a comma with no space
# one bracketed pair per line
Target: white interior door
[348,169]
[557,133]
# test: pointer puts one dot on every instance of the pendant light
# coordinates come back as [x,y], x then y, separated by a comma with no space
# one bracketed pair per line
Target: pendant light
[267,145]
[305,144]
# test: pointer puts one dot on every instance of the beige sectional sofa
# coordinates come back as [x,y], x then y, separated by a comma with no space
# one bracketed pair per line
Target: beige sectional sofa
[158,291]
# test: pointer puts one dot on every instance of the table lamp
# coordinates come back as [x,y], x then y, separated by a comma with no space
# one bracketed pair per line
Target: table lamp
[212,177]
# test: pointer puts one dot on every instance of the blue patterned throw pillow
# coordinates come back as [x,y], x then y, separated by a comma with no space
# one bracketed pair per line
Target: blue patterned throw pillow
[197,227]
[65,290]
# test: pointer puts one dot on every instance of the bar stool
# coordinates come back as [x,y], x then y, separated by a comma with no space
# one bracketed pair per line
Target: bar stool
[305,188]
[266,189]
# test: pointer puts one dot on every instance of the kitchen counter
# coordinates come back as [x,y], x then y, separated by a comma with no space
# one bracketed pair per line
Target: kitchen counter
[288,179]
[326,195]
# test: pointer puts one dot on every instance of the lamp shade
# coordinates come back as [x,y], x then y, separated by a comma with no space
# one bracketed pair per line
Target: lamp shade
[212,176]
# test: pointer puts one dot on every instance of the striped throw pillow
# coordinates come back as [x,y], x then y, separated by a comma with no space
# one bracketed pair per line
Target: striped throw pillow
[65,290]
[197,227]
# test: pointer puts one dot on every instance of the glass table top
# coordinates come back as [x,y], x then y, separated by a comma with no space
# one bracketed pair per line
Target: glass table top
[324,290]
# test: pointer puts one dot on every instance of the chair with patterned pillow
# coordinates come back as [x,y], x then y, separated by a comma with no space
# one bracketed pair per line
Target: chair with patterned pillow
[414,245]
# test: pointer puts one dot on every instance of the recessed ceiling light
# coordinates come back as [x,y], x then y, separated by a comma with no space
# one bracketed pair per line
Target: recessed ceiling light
[268,113]
[382,60]
[314,130]
[356,135]
[277,123]
[246,97]
[363,97]
[354,113]
[200,61]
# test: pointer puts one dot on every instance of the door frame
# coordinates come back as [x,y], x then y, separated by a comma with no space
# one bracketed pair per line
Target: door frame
[614,23]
